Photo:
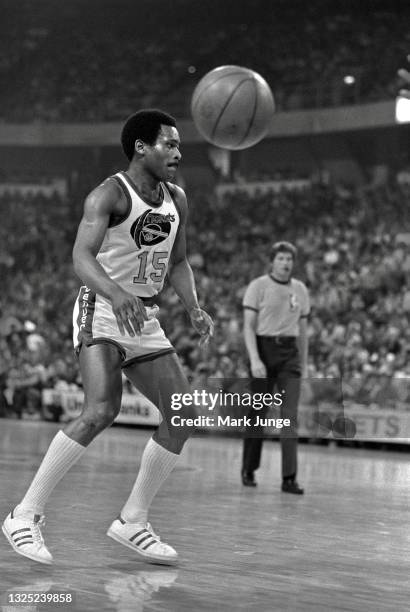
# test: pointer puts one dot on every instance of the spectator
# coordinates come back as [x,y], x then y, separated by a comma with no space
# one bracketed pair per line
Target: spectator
[66,75]
[360,315]
[26,380]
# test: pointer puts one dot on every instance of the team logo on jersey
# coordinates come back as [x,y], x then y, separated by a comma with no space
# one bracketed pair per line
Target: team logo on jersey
[293,301]
[151,228]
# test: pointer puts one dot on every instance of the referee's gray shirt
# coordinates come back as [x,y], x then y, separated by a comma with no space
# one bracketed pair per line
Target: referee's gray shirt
[279,305]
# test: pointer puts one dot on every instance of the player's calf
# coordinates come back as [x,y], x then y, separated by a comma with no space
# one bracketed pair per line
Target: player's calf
[92,421]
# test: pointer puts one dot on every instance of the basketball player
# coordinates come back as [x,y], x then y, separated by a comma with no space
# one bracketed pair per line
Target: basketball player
[131,235]
[276,307]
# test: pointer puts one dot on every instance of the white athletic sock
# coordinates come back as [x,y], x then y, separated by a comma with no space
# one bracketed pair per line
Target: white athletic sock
[156,465]
[62,453]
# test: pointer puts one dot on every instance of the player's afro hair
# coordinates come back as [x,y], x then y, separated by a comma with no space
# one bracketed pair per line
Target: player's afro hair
[283,247]
[143,125]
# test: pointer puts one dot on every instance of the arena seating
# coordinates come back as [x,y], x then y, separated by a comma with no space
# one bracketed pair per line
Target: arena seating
[354,257]
[71,67]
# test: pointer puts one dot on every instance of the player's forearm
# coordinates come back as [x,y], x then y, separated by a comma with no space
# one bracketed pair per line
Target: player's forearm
[249,335]
[93,275]
[303,351]
[182,280]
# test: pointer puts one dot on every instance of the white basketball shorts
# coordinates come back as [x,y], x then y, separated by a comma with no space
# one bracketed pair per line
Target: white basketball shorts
[94,323]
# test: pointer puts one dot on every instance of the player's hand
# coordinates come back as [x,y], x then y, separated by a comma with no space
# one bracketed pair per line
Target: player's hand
[130,313]
[203,324]
[405,75]
[258,369]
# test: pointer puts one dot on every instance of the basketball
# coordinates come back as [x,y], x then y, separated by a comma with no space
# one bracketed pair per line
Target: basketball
[232,107]
[344,427]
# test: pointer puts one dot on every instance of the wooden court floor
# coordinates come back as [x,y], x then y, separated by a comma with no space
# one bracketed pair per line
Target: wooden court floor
[344,545]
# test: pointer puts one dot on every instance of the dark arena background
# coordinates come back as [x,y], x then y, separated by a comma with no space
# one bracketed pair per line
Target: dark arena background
[333,177]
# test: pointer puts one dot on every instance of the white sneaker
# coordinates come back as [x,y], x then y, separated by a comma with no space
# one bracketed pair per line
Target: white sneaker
[23,533]
[142,539]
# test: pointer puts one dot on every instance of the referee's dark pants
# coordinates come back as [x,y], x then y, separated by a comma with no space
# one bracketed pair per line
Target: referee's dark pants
[281,357]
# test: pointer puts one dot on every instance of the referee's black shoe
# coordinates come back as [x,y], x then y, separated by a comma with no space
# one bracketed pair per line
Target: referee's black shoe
[291,486]
[248,479]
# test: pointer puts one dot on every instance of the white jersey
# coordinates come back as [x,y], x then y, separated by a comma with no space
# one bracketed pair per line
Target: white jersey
[135,252]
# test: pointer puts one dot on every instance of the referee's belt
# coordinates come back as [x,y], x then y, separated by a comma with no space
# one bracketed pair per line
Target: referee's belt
[149,301]
[280,340]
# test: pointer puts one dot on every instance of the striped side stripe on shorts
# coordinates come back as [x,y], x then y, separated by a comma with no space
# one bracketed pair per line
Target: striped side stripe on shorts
[83,316]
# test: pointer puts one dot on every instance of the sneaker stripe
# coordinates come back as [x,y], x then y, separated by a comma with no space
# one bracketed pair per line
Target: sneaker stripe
[139,542]
[132,538]
[21,530]
[149,544]
[24,537]
[26,542]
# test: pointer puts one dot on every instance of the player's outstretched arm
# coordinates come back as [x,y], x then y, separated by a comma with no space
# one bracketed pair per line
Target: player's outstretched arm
[99,205]
[405,75]
[182,278]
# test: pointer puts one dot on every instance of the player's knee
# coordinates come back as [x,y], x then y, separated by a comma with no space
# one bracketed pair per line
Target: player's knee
[101,415]
[183,424]
[171,444]
[176,428]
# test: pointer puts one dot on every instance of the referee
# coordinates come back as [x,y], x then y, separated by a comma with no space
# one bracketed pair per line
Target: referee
[276,307]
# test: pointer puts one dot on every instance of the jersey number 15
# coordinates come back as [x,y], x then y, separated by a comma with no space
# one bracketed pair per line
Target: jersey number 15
[159,265]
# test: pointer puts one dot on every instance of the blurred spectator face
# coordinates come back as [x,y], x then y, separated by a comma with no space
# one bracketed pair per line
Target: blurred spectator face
[339,333]
[15,341]
[393,333]
[33,403]
[201,373]
[331,257]
[35,342]
[60,368]
[9,324]
[33,357]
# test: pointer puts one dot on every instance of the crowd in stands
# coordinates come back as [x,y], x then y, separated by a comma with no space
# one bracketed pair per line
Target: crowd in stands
[354,255]
[69,65]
